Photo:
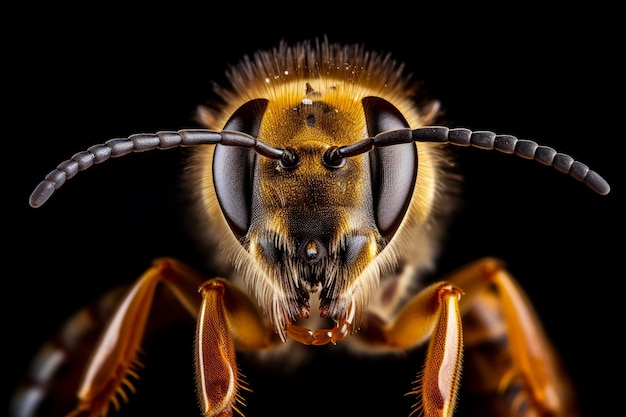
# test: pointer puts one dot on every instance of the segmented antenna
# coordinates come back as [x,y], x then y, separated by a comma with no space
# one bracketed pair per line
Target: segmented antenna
[480,139]
[142,142]
[191,137]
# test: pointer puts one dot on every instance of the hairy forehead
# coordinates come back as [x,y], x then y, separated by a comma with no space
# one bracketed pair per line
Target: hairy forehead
[287,76]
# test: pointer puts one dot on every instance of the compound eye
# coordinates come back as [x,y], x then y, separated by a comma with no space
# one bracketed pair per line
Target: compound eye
[393,168]
[233,168]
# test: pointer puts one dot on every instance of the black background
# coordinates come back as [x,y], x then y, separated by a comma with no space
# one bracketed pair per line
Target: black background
[80,77]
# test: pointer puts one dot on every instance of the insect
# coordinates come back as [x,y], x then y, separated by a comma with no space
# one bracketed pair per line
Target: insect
[323,190]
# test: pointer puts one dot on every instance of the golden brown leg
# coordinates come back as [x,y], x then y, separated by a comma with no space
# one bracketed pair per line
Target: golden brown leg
[434,313]
[492,294]
[115,358]
[487,290]
[227,318]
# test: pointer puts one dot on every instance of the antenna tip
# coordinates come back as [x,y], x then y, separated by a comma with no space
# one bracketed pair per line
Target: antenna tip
[41,193]
[597,183]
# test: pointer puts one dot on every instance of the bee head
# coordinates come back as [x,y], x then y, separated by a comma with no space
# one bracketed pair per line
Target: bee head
[313,222]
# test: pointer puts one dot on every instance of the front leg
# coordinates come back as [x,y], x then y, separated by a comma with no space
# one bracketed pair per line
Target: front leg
[228,320]
[433,313]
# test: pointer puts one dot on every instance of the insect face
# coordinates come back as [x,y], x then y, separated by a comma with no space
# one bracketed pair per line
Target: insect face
[311,225]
